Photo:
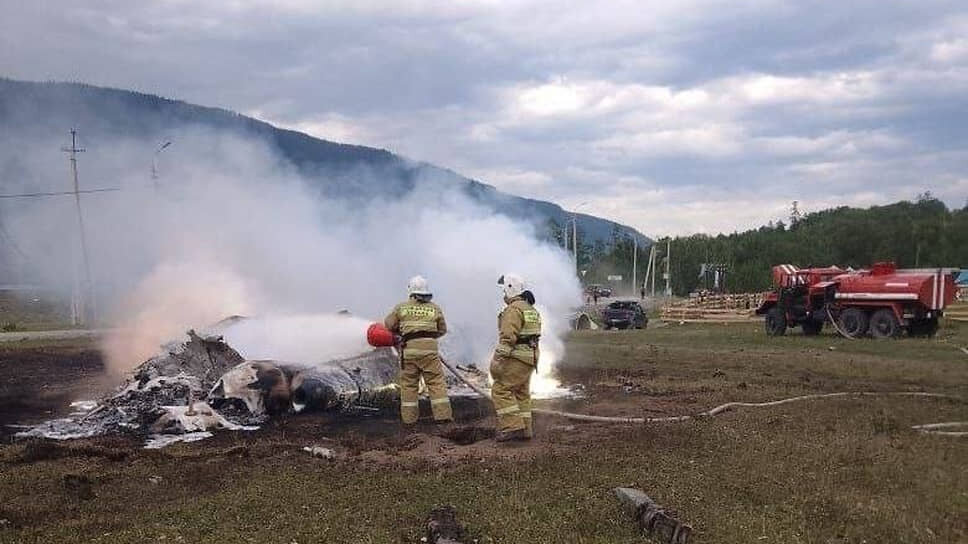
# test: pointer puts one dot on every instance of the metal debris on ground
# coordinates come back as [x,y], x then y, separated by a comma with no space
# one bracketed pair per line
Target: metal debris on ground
[158,441]
[203,384]
[443,528]
[155,397]
[652,519]
[319,451]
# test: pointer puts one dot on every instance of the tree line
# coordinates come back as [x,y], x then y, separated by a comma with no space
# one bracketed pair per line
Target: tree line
[923,233]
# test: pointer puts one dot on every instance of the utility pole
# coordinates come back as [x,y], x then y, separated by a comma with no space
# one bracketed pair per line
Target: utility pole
[564,234]
[574,236]
[648,267]
[77,300]
[635,256]
[668,289]
[574,240]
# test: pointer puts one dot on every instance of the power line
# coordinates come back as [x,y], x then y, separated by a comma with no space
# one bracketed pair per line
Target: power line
[77,309]
[61,193]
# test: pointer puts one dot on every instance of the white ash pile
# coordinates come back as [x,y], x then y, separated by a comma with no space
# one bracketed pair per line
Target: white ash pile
[157,394]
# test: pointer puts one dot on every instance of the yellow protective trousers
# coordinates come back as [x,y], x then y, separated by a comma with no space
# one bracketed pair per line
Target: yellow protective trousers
[431,370]
[511,393]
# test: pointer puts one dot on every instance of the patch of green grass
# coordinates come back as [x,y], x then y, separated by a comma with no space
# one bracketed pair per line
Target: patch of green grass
[809,473]
[15,347]
[693,354]
[750,336]
[33,312]
[841,470]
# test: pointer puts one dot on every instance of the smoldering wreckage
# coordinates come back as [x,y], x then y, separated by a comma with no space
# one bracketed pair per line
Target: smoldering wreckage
[202,384]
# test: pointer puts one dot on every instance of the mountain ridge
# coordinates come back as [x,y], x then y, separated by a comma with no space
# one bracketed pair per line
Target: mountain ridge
[28,107]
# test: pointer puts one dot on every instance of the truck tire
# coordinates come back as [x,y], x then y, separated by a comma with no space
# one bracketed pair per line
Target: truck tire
[775,322]
[884,324]
[811,327]
[923,327]
[854,322]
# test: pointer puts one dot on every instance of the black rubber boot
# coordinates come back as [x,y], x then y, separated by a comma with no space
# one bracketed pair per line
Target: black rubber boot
[511,436]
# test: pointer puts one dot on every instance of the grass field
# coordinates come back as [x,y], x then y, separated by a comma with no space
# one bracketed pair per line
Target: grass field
[826,471]
[30,311]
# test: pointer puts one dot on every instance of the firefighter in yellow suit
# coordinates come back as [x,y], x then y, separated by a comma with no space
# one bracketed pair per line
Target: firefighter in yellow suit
[515,359]
[420,323]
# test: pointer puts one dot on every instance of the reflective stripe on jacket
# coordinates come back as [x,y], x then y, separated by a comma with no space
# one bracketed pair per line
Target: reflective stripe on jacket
[414,316]
[516,323]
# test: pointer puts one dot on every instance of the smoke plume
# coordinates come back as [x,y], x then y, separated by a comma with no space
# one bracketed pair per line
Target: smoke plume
[230,229]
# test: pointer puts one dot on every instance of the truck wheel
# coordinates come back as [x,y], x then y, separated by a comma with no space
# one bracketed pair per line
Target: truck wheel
[884,324]
[853,321]
[811,327]
[775,322]
[923,327]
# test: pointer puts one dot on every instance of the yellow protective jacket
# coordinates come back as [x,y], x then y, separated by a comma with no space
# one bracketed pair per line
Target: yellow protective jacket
[519,326]
[423,318]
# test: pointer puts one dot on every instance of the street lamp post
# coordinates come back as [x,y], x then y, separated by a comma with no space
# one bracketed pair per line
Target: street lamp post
[154,163]
[574,234]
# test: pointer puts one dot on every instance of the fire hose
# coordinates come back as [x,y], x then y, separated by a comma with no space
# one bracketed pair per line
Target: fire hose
[929,428]
[379,336]
[837,327]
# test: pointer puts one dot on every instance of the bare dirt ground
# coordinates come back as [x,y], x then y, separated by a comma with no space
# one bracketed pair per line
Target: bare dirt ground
[828,471]
[39,379]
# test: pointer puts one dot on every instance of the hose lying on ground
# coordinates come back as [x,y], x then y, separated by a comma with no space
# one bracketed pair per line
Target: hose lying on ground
[730,405]
[837,327]
[932,427]
[938,428]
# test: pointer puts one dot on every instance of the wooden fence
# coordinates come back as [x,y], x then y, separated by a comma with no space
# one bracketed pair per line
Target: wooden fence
[731,308]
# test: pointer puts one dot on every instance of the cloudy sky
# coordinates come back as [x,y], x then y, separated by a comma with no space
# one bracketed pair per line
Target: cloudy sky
[674,117]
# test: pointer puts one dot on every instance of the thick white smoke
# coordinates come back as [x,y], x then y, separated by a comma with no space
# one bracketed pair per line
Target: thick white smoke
[231,230]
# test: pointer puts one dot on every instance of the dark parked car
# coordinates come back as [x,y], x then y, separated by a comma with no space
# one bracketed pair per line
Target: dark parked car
[598,290]
[624,314]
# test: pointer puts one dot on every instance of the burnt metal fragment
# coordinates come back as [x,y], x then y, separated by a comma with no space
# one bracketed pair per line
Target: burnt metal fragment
[652,519]
[443,528]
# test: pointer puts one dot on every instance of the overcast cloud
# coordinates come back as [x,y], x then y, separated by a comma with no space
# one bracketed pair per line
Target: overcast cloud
[673,117]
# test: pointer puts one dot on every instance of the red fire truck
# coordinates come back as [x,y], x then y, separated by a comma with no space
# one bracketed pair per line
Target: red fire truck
[882,301]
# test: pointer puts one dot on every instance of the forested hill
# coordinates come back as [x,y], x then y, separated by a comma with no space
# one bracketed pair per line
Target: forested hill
[42,113]
[913,234]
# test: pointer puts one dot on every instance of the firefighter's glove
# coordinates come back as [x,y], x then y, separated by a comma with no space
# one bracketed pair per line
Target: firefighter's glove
[503,350]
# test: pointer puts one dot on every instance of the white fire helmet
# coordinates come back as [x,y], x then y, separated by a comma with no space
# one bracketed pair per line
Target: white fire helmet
[513,285]
[418,286]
